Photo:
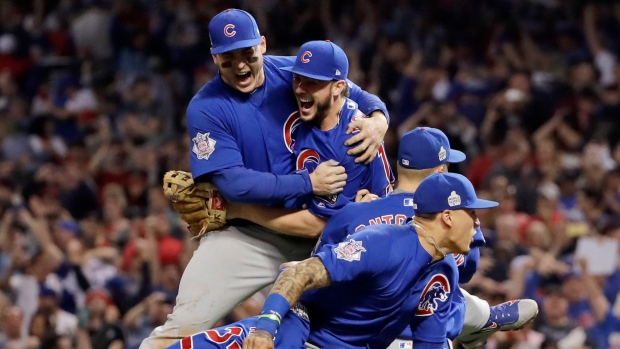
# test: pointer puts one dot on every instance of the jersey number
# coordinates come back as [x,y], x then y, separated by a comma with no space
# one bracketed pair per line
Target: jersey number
[231,337]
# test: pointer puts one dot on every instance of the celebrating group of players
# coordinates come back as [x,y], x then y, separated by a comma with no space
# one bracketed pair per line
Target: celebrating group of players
[278,136]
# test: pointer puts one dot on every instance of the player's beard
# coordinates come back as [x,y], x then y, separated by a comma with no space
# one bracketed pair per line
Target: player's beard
[322,108]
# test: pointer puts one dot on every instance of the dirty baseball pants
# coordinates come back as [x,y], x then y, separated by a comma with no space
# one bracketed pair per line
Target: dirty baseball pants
[228,266]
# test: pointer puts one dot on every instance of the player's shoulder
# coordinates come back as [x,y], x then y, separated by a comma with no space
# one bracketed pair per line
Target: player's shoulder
[273,65]
[214,95]
[278,61]
[350,111]
[384,233]
[351,209]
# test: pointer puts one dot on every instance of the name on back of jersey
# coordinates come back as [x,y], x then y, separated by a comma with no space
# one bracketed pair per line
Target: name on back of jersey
[398,219]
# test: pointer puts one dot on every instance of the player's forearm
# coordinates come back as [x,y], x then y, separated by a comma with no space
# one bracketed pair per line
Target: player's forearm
[284,221]
[290,285]
[239,184]
[305,275]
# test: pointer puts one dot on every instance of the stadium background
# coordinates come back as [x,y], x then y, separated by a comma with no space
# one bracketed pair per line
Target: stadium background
[92,96]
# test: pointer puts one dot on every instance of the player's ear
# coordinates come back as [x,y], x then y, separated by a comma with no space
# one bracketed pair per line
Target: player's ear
[446,217]
[339,86]
[263,45]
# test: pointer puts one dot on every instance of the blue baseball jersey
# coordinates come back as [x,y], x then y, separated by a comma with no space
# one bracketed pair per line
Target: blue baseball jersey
[230,129]
[313,146]
[441,305]
[370,298]
[395,209]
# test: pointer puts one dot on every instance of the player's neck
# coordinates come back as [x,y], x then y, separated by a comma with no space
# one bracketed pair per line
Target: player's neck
[408,185]
[428,235]
[333,115]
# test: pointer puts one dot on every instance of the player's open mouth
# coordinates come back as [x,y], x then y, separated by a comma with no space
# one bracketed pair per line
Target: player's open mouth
[305,103]
[243,77]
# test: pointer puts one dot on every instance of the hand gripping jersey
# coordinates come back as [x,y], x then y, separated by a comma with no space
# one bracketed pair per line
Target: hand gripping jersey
[313,146]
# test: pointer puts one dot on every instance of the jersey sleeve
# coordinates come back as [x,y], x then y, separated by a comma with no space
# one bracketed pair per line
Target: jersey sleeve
[468,267]
[367,102]
[433,313]
[212,143]
[354,258]
[478,239]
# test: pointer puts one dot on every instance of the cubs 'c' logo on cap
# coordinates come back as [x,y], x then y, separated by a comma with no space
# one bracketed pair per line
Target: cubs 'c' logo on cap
[229,30]
[436,290]
[291,124]
[305,57]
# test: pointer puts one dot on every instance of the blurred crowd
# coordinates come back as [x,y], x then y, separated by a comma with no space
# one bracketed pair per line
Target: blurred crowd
[92,100]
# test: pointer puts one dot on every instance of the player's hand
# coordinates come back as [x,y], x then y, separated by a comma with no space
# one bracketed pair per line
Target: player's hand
[258,340]
[370,135]
[328,178]
[364,195]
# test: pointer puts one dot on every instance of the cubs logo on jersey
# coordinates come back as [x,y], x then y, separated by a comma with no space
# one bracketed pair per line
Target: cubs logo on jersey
[436,291]
[288,130]
[308,160]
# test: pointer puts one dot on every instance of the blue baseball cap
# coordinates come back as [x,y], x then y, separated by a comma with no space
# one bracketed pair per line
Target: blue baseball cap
[447,191]
[320,60]
[426,147]
[233,29]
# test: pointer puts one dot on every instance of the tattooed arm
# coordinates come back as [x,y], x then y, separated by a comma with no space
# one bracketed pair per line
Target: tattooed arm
[305,275]
[290,285]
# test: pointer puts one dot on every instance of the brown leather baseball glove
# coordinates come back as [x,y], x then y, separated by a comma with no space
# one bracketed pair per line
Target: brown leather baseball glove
[200,204]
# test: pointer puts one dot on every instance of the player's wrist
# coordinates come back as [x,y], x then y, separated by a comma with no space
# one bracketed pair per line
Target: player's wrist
[381,115]
[274,309]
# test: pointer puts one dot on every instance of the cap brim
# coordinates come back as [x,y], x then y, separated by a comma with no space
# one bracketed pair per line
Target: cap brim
[456,156]
[481,203]
[235,46]
[308,75]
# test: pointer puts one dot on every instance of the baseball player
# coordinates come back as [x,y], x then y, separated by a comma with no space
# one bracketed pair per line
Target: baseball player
[358,293]
[238,129]
[422,152]
[320,86]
